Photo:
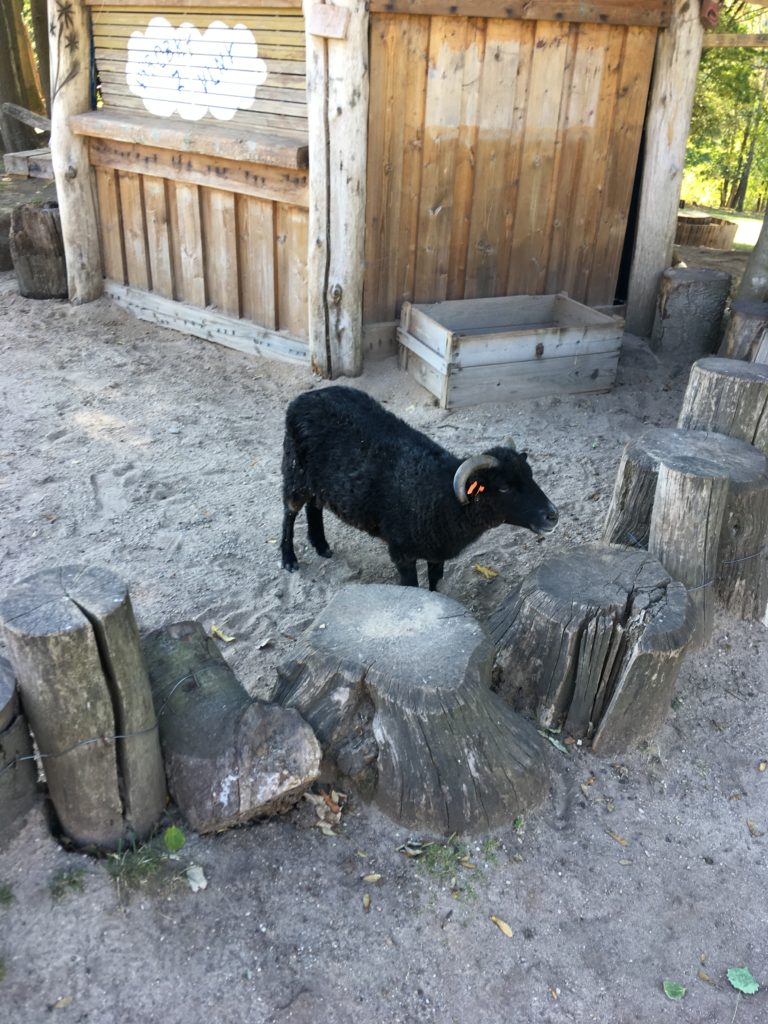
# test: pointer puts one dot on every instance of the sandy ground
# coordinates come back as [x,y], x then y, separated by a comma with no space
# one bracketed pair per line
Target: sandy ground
[158,456]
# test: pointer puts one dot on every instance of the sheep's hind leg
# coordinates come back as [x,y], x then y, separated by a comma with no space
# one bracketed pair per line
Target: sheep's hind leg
[407,569]
[316,530]
[434,574]
[292,508]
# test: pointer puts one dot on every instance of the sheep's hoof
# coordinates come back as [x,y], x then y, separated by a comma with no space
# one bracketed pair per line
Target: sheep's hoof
[325,553]
[291,564]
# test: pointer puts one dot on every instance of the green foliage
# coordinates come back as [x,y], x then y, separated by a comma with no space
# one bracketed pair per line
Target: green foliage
[6,895]
[742,980]
[174,838]
[65,882]
[2,970]
[674,990]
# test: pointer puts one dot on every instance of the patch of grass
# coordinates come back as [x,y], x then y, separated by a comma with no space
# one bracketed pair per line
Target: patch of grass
[2,970]
[450,863]
[490,850]
[6,895]
[65,882]
[143,865]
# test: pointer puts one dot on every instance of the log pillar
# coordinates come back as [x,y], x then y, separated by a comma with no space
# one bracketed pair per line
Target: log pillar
[37,251]
[74,647]
[592,641]
[18,771]
[337,108]
[689,312]
[730,397]
[70,56]
[746,330]
[396,682]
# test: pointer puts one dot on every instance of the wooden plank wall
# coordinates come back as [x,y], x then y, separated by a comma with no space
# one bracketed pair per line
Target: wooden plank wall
[279,104]
[243,255]
[501,157]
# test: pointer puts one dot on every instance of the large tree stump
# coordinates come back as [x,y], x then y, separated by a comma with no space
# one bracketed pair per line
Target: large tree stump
[689,312]
[228,758]
[396,683]
[74,647]
[593,641]
[730,397]
[707,523]
[18,772]
[37,251]
[746,329]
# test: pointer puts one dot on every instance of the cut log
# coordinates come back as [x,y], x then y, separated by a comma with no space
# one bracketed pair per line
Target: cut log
[228,758]
[730,397]
[708,524]
[74,647]
[746,329]
[18,772]
[689,312]
[396,683]
[37,251]
[592,641]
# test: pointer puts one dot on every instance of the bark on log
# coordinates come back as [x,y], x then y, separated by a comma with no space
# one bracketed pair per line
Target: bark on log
[707,525]
[746,329]
[729,397]
[74,647]
[592,641]
[18,773]
[228,758]
[689,312]
[37,251]
[396,683]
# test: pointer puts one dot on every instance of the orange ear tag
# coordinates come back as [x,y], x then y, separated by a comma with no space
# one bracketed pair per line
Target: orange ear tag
[472,487]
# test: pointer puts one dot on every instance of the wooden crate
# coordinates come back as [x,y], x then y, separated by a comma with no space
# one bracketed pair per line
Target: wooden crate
[484,350]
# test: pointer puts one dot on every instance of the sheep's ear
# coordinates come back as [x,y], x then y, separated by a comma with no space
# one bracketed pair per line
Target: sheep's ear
[523,455]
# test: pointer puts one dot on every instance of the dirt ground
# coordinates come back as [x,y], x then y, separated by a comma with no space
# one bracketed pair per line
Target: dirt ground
[158,455]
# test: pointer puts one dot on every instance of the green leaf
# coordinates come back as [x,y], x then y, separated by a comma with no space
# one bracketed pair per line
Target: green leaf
[174,839]
[742,980]
[674,990]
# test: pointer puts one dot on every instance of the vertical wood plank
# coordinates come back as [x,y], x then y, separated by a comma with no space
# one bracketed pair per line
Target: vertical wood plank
[158,236]
[134,232]
[256,260]
[110,225]
[291,260]
[189,270]
[220,264]
[534,210]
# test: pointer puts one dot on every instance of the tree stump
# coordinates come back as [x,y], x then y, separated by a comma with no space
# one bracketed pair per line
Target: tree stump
[689,312]
[74,647]
[37,250]
[729,397]
[696,500]
[395,682]
[746,329]
[593,641]
[18,772]
[228,758]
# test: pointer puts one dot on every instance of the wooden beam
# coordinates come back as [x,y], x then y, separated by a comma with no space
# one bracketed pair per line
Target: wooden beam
[716,39]
[70,53]
[669,118]
[604,12]
[337,107]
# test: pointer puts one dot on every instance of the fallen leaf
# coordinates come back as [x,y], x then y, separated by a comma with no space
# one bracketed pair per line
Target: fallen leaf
[703,976]
[371,878]
[742,980]
[220,634]
[467,864]
[325,828]
[674,990]
[625,862]
[486,571]
[366,902]
[762,766]
[754,831]
[61,1003]
[264,643]
[617,837]
[584,789]
[554,741]
[196,878]
[414,847]
[502,926]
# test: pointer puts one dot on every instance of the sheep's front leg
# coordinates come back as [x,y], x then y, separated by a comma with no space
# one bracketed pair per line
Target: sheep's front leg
[434,573]
[406,567]
[287,553]
[316,531]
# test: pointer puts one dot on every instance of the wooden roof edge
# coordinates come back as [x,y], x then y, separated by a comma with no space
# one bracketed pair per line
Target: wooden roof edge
[650,13]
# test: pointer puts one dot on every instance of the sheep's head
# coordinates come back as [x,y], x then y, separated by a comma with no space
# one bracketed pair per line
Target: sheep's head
[503,481]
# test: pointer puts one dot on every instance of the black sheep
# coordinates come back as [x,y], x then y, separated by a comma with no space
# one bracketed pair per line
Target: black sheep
[344,452]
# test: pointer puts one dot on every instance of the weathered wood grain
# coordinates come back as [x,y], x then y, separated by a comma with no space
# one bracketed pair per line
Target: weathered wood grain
[689,312]
[729,397]
[18,770]
[746,329]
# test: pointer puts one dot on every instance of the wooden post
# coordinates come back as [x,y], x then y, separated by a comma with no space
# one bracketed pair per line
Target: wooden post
[669,116]
[337,108]
[592,641]
[70,52]
[18,771]
[37,251]
[689,312]
[729,397]
[746,329]
[396,682]
[74,647]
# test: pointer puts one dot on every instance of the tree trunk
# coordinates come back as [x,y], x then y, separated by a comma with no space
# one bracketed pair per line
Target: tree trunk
[396,683]
[19,82]
[754,283]
[229,759]
[18,772]
[39,12]
[592,641]
[746,328]
[37,251]
[729,397]
[74,647]
[689,313]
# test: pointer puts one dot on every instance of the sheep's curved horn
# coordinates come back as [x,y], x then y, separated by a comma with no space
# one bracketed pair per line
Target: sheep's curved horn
[465,471]
[509,442]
